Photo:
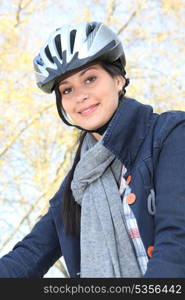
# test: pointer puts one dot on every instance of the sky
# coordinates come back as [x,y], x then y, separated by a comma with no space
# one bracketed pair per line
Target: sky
[154,62]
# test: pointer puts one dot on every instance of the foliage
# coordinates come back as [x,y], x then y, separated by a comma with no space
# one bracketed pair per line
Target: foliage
[36,149]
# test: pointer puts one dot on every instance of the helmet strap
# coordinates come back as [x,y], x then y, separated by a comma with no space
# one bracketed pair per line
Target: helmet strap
[99,130]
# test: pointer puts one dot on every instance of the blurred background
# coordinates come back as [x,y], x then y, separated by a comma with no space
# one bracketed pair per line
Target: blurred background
[36,148]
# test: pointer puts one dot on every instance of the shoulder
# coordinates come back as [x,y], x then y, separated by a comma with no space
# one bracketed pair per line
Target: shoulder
[169,123]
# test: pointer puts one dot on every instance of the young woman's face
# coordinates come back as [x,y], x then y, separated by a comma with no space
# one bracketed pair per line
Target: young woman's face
[90,96]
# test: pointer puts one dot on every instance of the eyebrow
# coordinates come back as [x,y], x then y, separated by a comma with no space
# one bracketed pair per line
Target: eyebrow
[81,74]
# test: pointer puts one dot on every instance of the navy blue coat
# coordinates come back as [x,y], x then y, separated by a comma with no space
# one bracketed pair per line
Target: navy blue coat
[152,147]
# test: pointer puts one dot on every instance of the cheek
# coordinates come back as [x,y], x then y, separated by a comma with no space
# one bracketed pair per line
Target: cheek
[114,94]
[65,106]
[69,111]
[109,90]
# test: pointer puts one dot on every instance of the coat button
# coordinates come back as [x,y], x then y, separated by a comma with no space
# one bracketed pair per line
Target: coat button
[128,179]
[150,251]
[131,198]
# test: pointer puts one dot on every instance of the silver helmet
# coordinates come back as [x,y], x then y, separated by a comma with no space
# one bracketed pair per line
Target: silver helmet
[73,46]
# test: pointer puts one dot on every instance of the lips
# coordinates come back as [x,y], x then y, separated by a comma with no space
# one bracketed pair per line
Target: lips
[88,110]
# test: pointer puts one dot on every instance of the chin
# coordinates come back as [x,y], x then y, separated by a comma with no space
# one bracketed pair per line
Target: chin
[91,127]
[95,125]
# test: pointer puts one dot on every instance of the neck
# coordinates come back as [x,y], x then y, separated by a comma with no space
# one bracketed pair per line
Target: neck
[97,136]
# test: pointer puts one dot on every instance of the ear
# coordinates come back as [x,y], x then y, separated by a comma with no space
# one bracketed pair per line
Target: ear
[120,82]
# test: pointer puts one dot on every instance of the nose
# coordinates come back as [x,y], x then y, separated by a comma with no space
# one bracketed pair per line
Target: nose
[81,95]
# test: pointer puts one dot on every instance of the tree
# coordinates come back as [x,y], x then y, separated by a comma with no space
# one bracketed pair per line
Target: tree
[36,149]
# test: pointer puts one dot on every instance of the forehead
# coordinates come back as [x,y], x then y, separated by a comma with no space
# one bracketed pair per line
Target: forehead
[80,72]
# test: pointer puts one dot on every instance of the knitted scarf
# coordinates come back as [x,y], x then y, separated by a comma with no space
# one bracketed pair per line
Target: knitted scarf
[106,249]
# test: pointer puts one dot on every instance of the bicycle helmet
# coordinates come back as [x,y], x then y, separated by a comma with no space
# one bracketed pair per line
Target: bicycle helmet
[73,46]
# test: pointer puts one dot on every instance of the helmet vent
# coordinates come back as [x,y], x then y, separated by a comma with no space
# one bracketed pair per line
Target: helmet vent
[72,39]
[39,61]
[58,45]
[90,28]
[48,54]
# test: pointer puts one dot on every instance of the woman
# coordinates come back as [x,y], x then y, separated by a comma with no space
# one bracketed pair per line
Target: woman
[120,211]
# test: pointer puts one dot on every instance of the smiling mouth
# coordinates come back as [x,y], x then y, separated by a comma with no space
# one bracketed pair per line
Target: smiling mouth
[89,110]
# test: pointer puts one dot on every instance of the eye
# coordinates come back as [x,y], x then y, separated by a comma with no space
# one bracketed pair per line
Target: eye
[91,79]
[66,91]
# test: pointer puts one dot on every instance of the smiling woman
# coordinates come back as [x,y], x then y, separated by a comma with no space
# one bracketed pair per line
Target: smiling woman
[114,214]
[95,78]
[90,96]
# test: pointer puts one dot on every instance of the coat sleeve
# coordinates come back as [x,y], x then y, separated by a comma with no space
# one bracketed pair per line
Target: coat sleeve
[35,254]
[168,256]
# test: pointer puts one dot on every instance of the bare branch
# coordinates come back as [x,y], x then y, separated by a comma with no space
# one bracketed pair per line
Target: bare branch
[23,130]
[22,220]
[57,178]
[18,12]
[27,4]
[20,9]
[111,11]
[127,23]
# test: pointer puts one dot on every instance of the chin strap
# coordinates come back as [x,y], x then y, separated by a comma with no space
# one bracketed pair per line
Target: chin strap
[102,129]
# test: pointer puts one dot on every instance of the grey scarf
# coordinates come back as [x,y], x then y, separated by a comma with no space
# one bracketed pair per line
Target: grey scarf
[106,249]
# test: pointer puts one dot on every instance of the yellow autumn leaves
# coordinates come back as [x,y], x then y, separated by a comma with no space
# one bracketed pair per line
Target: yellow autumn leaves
[36,149]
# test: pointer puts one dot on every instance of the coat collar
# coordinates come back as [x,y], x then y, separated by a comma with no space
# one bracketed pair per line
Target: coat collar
[127,130]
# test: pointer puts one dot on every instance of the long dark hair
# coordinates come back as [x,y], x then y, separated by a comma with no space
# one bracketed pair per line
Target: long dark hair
[71,211]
